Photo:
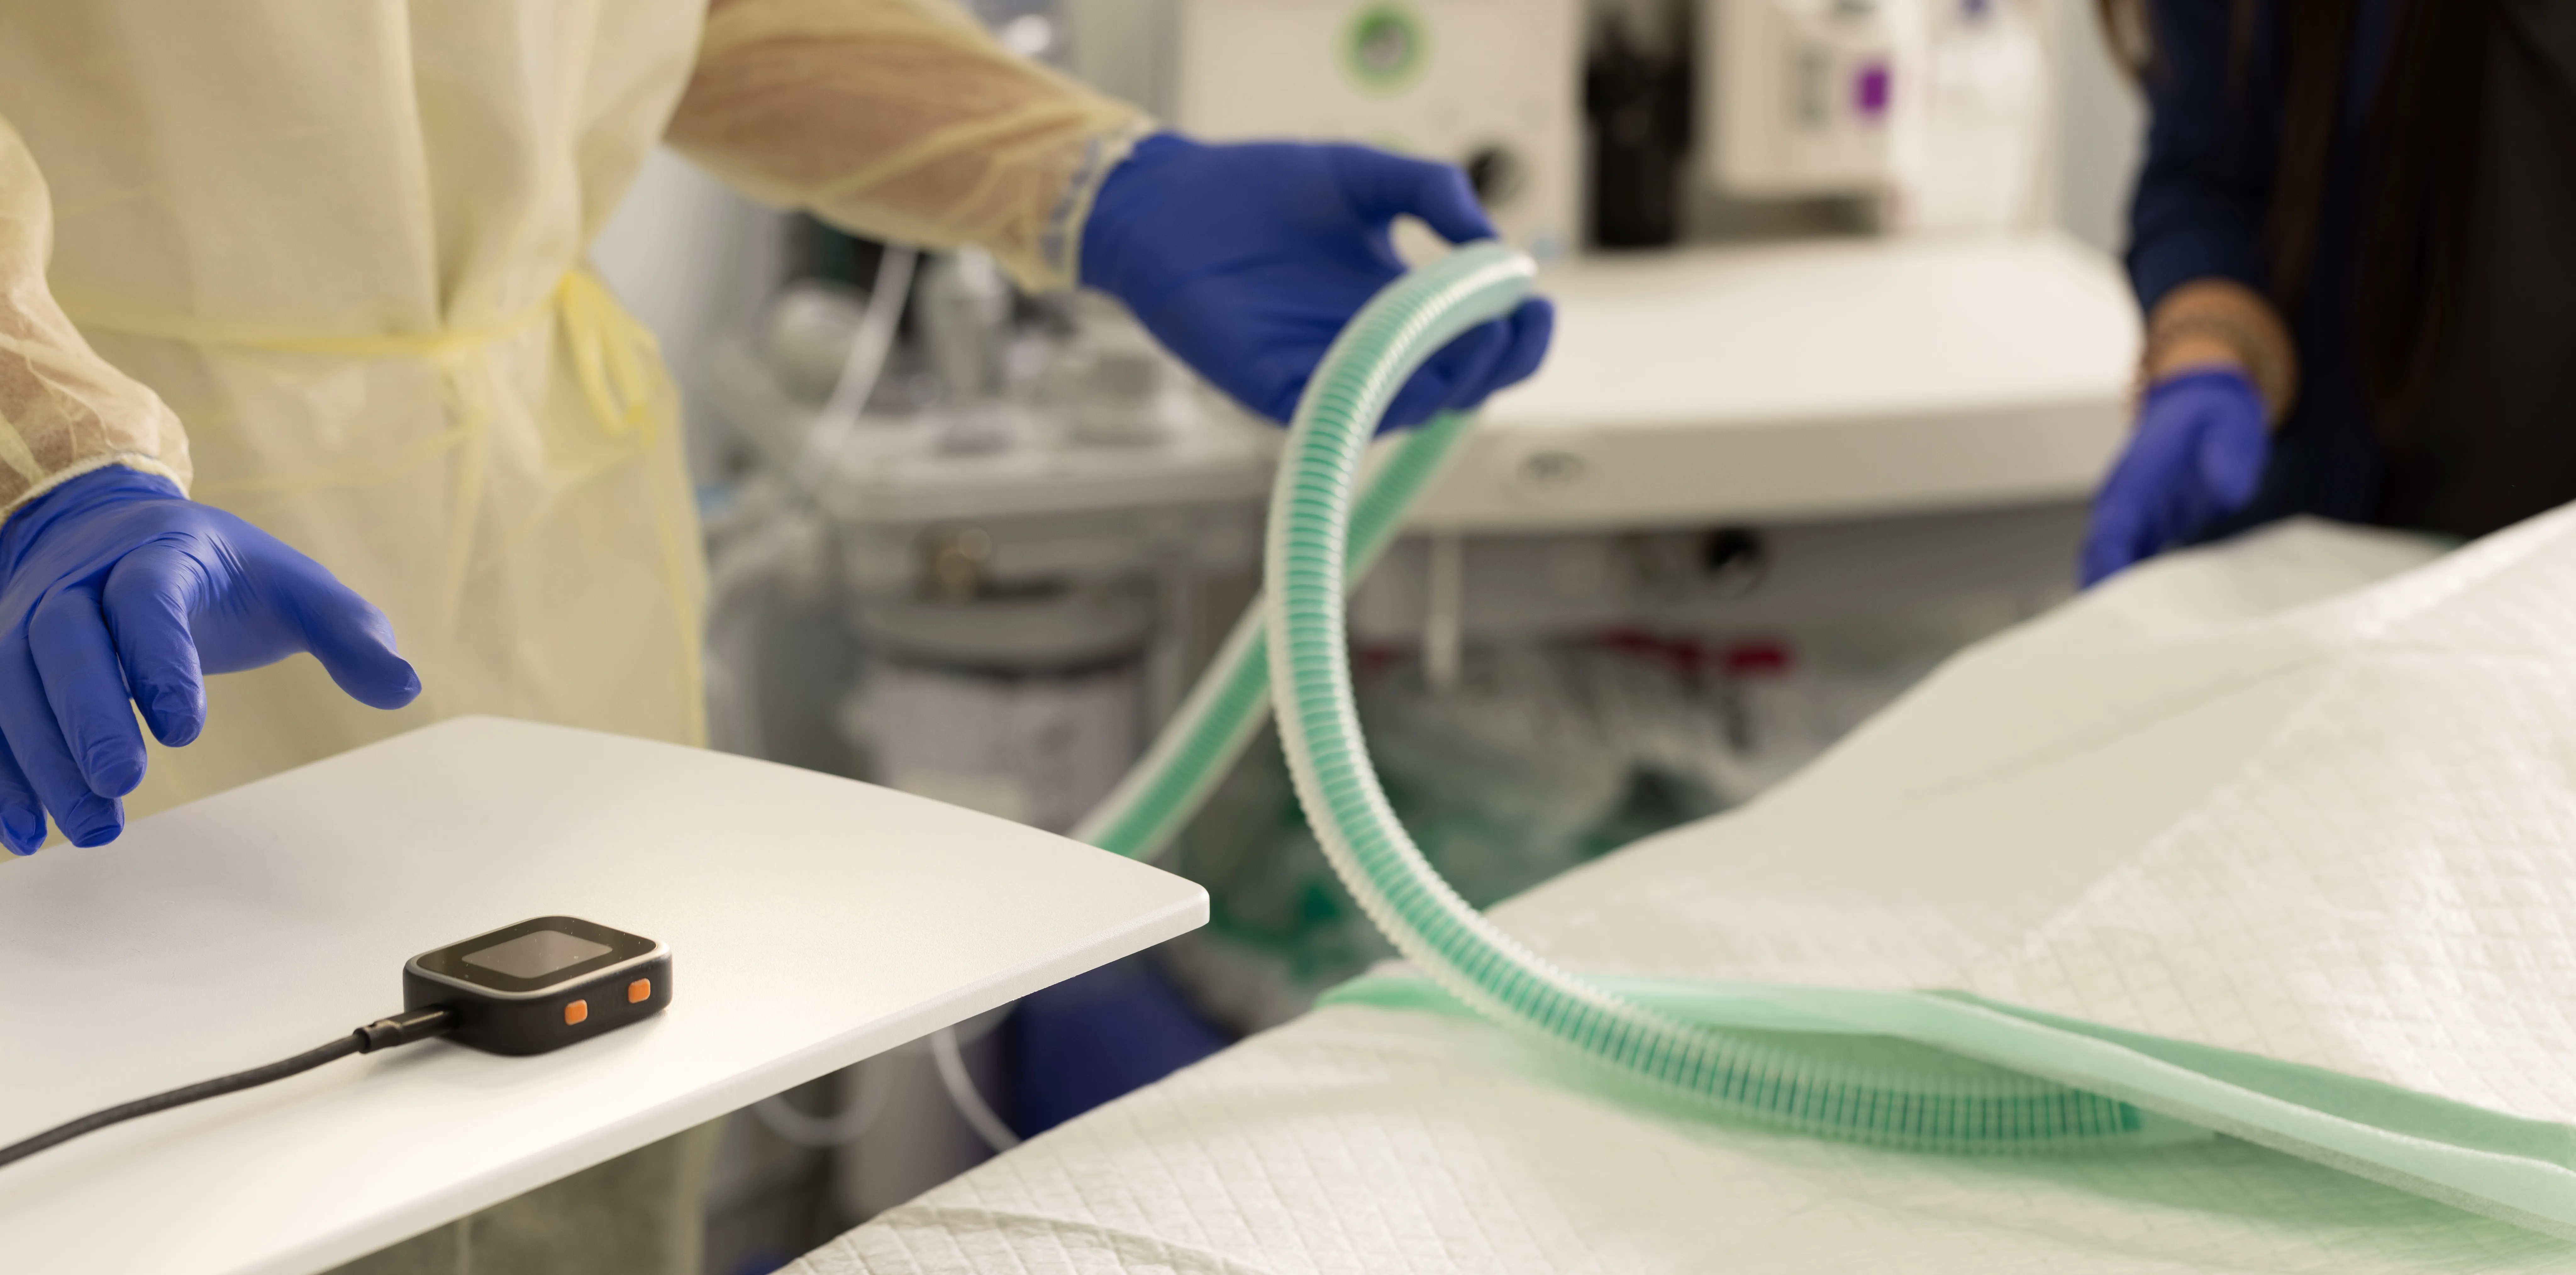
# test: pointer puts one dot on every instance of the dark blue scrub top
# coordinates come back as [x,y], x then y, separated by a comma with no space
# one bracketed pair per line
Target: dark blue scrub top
[2496,441]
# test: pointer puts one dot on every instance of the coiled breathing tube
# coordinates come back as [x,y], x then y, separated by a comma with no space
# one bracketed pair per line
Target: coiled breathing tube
[1290,650]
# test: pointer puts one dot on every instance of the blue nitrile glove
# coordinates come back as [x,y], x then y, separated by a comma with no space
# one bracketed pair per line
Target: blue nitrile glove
[115,584]
[2197,456]
[1246,260]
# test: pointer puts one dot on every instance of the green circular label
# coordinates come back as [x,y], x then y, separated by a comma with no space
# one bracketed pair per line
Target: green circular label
[1385,47]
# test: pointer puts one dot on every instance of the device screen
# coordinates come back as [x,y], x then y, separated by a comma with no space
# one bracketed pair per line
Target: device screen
[536,954]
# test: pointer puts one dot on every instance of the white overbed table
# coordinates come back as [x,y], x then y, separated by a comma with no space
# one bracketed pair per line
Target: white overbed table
[1804,381]
[813,922]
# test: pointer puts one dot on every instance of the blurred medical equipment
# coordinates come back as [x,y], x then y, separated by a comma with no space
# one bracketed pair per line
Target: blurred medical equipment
[1046,519]
[1755,492]
[1637,104]
[1980,157]
[1938,107]
[973,569]
[1894,430]
[1628,123]
[1820,949]
[1803,95]
[1493,86]
[1763,483]
[1292,644]
[1024,708]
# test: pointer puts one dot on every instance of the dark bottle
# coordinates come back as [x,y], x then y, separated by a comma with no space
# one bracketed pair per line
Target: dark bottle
[1637,108]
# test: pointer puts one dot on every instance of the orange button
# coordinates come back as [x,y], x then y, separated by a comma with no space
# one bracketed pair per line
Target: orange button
[639,991]
[576,1013]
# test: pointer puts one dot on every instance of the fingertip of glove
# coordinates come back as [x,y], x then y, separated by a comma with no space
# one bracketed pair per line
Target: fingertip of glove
[176,718]
[1533,329]
[2232,465]
[1389,185]
[112,770]
[95,821]
[397,690]
[2108,550]
[22,831]
[365,665]
[1472,365]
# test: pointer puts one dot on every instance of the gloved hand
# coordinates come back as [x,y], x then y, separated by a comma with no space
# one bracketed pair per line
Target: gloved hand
[2198,455]
[1246,261]
[115,584]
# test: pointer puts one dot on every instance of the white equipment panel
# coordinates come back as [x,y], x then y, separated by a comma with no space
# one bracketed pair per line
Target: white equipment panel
[1804,381]
[813,921]
[1802,95]
[1495,86]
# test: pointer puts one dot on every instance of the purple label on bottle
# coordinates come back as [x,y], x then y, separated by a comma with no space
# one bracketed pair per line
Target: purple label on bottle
[1869,90]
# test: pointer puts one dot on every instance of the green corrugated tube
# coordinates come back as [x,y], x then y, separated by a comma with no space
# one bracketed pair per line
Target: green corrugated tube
[1232,699]
[1319,530]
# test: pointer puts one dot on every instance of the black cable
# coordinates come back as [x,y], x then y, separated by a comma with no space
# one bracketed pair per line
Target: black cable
[401,1029]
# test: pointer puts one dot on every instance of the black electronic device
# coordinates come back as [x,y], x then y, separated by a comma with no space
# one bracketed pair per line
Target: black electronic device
[541,984]
[521,989]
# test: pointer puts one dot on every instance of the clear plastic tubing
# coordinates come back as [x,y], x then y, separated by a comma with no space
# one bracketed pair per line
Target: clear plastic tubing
[1321,526]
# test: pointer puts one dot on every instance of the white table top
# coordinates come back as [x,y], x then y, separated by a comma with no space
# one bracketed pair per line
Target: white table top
[1806,380]
[813,922]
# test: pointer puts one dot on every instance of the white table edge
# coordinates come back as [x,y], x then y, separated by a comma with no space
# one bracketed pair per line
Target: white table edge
[332,1248]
